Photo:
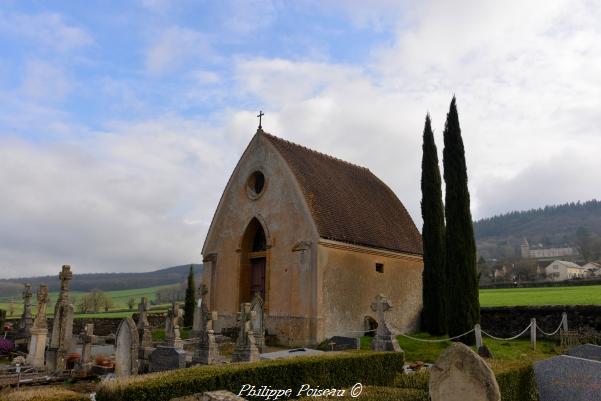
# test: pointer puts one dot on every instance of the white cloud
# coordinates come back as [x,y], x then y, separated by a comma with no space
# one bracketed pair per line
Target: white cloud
[44,81]
[46,29]
[175,46]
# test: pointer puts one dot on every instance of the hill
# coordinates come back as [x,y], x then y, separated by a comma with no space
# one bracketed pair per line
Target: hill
[102,281]
[552,226]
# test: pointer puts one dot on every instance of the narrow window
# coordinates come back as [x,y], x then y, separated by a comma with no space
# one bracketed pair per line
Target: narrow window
[380,267]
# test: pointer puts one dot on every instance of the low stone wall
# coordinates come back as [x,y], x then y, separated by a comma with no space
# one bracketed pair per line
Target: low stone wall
[508,321]
[104,326]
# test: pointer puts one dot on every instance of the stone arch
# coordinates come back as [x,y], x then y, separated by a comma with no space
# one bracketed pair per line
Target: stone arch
[254,261]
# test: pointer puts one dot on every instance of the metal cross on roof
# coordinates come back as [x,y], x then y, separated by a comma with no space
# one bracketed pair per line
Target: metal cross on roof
[261,114]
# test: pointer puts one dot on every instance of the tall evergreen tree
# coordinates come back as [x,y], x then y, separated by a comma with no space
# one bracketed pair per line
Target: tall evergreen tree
[463,305]
[433,234]
[190,299]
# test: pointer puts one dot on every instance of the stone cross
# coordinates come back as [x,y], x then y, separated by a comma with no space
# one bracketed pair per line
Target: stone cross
[39,331]
[383,340]
[26,319]
[202,317]
[143,326]
[87,338]
[172,335]
[61,341]
[261,114]
[256,306]
[246,349]
[207,351]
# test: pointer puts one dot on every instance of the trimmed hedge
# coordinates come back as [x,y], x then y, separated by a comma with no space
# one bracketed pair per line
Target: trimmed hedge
[379,394]
[329,371]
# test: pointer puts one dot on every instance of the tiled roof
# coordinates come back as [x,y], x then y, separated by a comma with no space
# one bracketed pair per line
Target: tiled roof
[349,203]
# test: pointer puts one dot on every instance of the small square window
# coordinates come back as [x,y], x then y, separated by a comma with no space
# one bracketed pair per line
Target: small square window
[380,267]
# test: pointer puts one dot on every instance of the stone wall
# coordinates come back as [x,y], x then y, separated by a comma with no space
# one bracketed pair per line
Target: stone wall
[106,325]
[509,321]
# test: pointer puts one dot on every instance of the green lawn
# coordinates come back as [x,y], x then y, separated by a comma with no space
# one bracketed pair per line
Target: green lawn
[573,295]
[119,298]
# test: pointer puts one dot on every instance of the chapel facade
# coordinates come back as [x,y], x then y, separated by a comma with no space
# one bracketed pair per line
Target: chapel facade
[318,238]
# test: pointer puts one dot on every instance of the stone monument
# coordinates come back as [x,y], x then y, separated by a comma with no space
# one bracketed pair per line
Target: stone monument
[26,320]
[570,378]
[384,340]
[459,374]
[39,331]
[246,349]
[207,351]
[61,341]
[87,338]
[172,335]
[144,333]
[126,348]
[199,309]
[167,358]
[256,306]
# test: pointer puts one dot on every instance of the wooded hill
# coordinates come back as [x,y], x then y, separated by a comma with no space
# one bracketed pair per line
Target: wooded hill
[102,281]
[552,226]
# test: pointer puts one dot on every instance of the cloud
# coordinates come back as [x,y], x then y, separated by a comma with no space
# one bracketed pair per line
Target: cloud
[174,47]
[45,30]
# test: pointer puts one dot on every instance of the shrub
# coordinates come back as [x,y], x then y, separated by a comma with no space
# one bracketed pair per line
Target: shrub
[379,394]
[44,394]
[330,371]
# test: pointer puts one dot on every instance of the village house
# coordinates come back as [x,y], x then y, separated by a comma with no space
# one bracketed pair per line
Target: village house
[318,238]
[560,270]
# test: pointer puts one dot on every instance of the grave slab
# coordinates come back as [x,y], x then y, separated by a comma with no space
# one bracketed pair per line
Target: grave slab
[568,378]
[586,351]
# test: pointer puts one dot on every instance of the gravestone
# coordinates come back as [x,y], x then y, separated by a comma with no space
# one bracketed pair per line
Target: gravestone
[459,374]
[246,349]
[256,306]
[167,358]
[200,311]
[126,348]
[39,331]
[565,377]
[172,334]
[586,351]
[207,351]
[87,338]
[26,321]
[340,343]
[384,340]
[143,326]
[61,340]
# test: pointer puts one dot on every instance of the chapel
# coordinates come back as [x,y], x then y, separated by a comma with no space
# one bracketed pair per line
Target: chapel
[318,238]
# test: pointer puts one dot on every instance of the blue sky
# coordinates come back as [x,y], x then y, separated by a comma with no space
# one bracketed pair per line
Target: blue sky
[120,122]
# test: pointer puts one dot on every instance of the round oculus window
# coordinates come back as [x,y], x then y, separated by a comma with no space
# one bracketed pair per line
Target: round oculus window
[256,184]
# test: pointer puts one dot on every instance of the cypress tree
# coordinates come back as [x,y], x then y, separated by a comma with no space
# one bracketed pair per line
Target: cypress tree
[433,235]
[462,303]
[190,300]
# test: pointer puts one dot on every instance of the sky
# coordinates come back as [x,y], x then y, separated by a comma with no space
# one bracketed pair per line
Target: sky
[121,122]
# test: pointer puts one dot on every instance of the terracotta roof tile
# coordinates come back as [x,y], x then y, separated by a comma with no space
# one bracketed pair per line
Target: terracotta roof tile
[348,202]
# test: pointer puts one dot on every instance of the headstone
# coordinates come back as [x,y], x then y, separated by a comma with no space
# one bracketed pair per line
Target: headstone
[565,377]
[256,306]
[167,358]
[172,335]
[200,312]
[61,341]
[87,338]
[340,343]
[586,351]
[126,348]
[219,395]
[459,374]
[207,351]
[26,320]
[39,331]
[384,340]
[144,332]
[290,353]
[246,349]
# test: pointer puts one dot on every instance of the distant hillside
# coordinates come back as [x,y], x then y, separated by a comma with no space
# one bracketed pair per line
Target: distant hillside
[103,281]
[552,226]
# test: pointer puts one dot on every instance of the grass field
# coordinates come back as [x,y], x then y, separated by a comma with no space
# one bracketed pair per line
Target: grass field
[119,298]
[574,295]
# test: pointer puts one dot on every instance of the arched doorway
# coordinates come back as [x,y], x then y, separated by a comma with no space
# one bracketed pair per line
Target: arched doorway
[253,263]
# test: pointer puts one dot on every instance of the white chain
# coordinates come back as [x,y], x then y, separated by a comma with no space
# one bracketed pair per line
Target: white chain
[510,338]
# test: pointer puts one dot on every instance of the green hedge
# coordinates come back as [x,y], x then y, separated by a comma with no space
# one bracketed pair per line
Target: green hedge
[329,371]
[43,394]
[379,394]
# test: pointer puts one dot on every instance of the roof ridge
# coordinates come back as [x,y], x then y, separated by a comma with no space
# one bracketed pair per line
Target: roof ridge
[314,151]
